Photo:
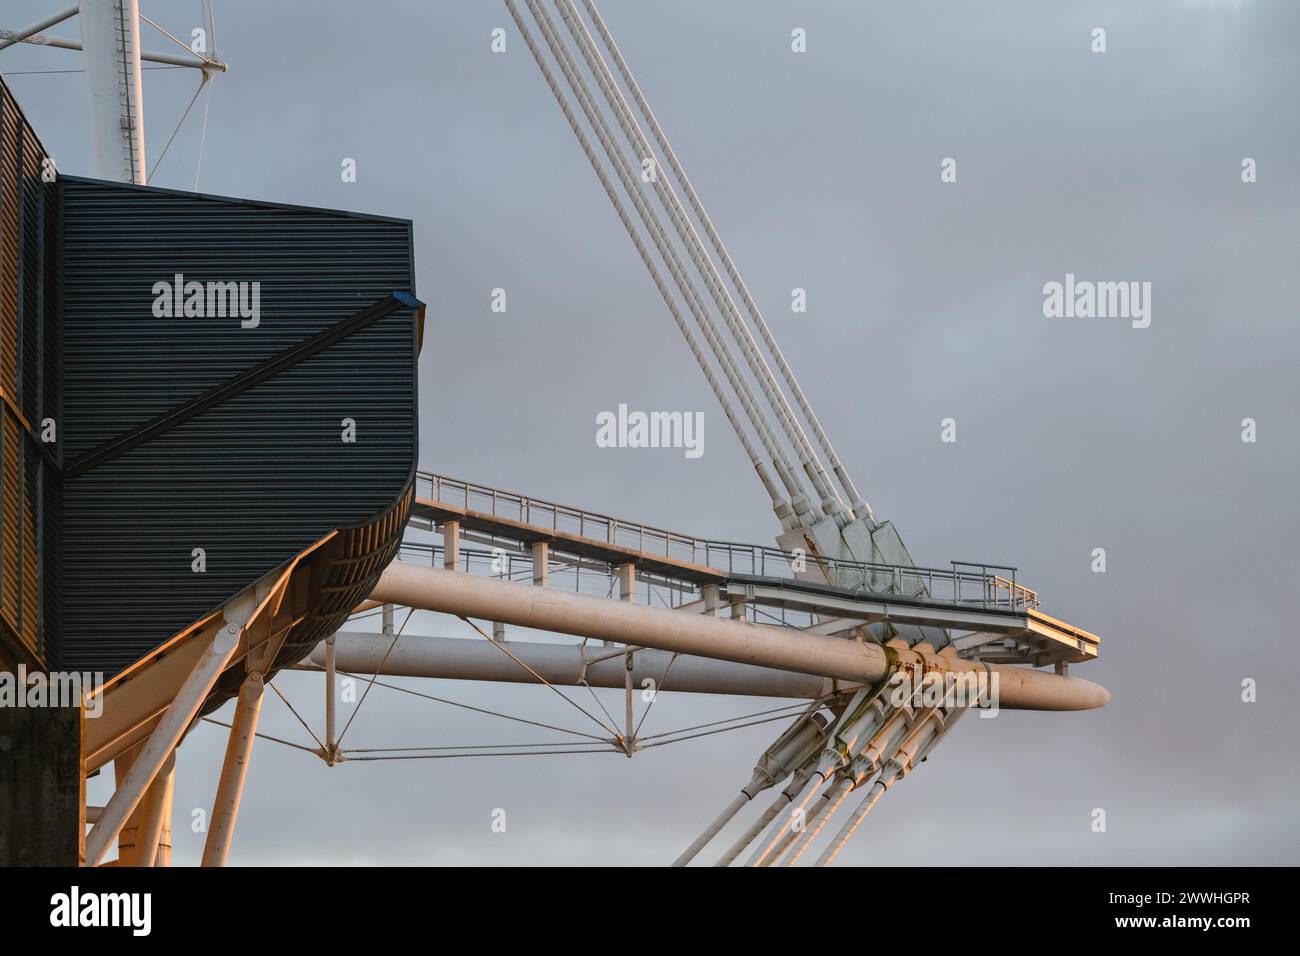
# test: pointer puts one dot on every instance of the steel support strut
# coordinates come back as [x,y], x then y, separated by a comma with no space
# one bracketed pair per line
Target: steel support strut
[162,742]
[230,789]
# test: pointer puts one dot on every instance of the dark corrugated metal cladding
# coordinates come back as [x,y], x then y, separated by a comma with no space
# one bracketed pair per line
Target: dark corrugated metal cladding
[258,478]
[29,349]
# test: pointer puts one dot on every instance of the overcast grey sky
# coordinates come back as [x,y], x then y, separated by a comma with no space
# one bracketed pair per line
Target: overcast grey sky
[821,171]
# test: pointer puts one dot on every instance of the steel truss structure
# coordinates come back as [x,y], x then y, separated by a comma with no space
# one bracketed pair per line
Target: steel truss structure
[830,619]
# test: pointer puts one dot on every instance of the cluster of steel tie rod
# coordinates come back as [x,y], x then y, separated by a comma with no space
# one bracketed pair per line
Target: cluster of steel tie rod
[873,743]
[646,177]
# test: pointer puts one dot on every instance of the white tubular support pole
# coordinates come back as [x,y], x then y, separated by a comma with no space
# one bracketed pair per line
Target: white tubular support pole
[230,789]
[128,835]
[621,622]
[758,826]
[564,665]
[160,744]
[828,808]
[110,40]
[723,818]
[803,737]
[331,694]
[782,833]
[703,635]
[851,824]
[860,507]
[153,818]
[787,836]
[920,740]
[164,855]
[18,36]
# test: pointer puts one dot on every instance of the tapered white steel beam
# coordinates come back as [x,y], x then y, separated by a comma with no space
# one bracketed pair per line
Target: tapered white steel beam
[156,750]
[742,642]
[230,789]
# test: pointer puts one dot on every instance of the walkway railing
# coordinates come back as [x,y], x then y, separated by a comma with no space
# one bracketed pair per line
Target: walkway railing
[984,585]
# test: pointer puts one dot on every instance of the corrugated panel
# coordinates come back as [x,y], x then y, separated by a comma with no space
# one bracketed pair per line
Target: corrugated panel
[30,611]
[49,404]
[10,174]
[11,536]
[252,481]
[51,553]
[28,354]
[314,268]
[29,303]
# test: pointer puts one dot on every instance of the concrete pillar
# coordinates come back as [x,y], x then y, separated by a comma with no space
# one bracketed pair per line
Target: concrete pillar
[450,545]
[541,557]
[712,599]
[627,582]
[626,589]
[42,786]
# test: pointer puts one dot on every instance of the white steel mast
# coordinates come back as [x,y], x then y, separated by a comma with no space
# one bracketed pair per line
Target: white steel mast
[110,42]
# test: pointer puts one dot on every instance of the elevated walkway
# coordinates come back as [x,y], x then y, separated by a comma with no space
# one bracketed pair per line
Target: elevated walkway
[991,616]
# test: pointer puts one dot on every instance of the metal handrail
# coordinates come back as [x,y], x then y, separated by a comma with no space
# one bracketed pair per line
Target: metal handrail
[968,582]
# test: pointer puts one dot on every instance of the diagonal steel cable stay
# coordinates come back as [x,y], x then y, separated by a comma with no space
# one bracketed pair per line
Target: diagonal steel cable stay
[860,508]
[723,324]
[292,710]
[483,710]
[780,504]
[563,696]
[263,736]
[708,271]
[708,298]
[371,683]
